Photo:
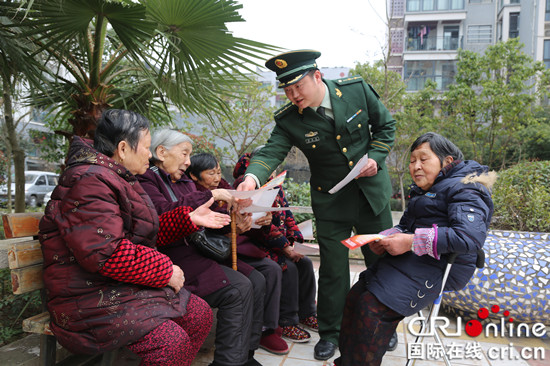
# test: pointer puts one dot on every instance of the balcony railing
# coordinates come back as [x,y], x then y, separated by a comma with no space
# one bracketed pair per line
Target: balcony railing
[434,43]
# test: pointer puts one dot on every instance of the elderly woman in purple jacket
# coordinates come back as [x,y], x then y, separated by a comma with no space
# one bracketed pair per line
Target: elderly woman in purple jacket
[238,295]
[449,211]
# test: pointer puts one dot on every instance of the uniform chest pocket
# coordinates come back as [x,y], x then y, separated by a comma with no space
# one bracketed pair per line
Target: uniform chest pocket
[358,128]
[471,216]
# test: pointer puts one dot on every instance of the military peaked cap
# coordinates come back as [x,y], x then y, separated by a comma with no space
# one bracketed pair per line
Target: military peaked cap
[292,66]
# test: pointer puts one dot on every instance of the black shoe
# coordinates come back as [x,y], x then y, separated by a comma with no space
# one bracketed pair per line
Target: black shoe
[252,362]
[393,342]
[324,350]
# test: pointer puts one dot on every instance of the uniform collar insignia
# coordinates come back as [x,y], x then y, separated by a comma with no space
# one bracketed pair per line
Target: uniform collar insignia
[311,134]
[338,92]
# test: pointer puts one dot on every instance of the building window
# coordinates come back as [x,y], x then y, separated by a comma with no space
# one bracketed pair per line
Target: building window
[450,37]
[418,72]
[514,25]
[546,55]
[480,34]
[432,5]
[428,5]
[547,14]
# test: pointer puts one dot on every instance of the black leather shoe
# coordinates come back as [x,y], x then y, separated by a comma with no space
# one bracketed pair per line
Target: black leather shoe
[324,350]
[393,342]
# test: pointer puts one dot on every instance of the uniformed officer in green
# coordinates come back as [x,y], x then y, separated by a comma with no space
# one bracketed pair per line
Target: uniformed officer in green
[334,123]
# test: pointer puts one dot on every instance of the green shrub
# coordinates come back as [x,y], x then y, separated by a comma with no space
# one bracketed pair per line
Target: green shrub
[522,198]
[297,194]
[14,308]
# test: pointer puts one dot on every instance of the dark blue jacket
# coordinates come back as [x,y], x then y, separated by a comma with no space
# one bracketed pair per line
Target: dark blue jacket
[460,204]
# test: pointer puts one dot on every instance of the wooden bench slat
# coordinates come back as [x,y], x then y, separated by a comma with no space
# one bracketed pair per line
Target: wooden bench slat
[27,279]
[25,254]
[39,323]
[21,224]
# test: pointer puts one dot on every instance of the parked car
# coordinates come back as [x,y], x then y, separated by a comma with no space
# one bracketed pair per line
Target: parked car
[37,184]
[47,197]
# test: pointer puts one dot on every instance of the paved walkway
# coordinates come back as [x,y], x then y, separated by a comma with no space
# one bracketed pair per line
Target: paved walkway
[492,352]
[480,351]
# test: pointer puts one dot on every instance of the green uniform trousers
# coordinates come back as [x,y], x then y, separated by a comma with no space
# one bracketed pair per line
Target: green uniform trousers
[334,272]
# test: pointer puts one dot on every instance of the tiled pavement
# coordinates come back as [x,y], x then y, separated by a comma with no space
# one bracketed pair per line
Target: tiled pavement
[302,353]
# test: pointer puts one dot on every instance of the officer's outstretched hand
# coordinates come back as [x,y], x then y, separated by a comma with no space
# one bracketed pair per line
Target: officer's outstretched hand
[248,184]
[369,170]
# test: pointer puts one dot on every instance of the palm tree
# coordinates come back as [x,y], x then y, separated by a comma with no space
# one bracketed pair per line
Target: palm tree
[142,55]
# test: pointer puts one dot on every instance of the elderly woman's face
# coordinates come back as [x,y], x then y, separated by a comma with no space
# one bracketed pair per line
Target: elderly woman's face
[424,166]
[210,178]
[137,162]
[176,160]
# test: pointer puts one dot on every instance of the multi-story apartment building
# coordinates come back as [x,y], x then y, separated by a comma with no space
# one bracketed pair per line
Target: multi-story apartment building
[426,34]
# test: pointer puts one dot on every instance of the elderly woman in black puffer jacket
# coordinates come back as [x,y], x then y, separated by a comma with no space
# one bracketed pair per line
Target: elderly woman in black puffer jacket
[449,211]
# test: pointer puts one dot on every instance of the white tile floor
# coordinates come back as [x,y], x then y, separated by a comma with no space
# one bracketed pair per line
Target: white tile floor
[302,353]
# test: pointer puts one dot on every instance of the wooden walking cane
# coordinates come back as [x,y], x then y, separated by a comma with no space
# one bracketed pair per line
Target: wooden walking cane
[234,239]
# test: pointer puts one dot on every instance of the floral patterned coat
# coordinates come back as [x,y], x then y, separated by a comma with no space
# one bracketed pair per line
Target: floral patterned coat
[98,213]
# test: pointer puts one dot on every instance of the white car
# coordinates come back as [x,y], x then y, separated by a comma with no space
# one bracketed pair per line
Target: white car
[37,184]
[47,197]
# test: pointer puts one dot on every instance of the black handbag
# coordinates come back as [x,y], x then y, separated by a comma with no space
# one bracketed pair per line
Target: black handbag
[211,245]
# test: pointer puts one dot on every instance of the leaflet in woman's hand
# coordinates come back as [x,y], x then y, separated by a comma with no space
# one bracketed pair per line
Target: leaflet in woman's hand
[357,241]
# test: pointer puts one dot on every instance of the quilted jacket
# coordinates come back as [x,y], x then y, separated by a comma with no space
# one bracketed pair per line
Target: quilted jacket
[97,208]
[459,205]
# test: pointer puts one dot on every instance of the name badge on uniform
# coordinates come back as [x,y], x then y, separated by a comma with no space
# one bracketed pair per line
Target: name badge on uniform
[430,194]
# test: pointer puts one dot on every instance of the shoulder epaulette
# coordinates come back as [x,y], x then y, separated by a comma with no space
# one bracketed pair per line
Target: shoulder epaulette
[350,80]
[284,109]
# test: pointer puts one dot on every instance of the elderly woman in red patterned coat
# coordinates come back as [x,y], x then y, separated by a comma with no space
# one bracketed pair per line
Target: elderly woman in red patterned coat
[107,285]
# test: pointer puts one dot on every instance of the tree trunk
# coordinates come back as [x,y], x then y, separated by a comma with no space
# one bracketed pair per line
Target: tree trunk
[17,152]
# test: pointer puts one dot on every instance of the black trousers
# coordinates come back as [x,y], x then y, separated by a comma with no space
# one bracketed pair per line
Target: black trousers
[240,316]
[273,274]
[298,292]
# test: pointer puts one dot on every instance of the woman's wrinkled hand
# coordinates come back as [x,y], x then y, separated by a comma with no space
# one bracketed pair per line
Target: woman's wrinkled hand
[376,247]
[265,220]
[177,280]
[244,222]
[204,216]
[291,254]
[221,194]
[398,243]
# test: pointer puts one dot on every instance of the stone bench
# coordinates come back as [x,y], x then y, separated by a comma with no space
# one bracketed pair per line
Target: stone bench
[516,277]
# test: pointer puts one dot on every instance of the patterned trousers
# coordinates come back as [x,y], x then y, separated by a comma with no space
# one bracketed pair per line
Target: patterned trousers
[177,341]
[367,327]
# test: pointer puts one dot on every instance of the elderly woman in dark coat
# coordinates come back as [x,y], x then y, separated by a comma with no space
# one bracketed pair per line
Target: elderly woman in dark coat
[206,172]
[237,295]
[449,211]
[107,285]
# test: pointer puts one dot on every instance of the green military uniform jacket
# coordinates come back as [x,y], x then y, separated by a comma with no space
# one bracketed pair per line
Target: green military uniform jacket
[362,125]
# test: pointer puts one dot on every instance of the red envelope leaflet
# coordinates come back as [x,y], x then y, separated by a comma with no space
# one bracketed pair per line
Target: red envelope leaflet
[357,241]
